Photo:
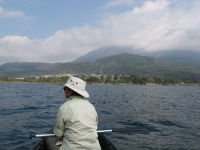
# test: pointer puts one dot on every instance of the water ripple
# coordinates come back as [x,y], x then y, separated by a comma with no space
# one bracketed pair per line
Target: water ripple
[168,114]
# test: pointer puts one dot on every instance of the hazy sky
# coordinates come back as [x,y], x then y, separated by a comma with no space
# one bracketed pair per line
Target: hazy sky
[62,30]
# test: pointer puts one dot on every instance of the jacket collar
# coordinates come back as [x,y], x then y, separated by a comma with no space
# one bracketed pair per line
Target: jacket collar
[75,97]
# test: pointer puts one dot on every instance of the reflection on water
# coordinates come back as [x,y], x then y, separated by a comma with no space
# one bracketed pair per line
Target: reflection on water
[168,114]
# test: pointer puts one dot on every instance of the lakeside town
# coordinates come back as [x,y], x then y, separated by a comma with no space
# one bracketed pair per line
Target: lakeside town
[97,79]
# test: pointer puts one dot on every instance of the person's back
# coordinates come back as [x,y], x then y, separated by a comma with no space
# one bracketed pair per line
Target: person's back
[77,124]
[81,127]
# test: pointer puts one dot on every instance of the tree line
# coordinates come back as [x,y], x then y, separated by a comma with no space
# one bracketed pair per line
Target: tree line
[105,79]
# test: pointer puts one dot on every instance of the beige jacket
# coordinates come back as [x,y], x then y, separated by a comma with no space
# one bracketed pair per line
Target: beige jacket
[77,122]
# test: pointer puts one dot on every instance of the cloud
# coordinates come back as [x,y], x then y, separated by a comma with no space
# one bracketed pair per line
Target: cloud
[19,48]
[155,25]
[152,6]
[11,14]
[115,3]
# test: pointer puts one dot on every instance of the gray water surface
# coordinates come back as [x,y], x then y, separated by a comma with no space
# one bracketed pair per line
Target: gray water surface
[170,115]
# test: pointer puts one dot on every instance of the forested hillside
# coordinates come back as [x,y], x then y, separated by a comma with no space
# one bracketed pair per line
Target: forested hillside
[122,64]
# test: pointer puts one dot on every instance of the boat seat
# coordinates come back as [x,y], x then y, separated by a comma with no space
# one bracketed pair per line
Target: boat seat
[51,143]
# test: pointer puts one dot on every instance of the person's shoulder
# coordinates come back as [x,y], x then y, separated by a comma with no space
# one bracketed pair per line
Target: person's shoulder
[64,105]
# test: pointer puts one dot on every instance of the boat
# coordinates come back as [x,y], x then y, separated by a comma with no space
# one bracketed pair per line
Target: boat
[49,143]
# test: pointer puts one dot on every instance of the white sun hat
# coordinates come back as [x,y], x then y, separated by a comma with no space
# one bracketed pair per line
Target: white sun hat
[77,85]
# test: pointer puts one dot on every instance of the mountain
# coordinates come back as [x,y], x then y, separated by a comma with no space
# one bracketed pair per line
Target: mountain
[176,54]
[24,68]
[104,52]
[75,68]
[182,57]
[178,57]
[166,67]
[146,66]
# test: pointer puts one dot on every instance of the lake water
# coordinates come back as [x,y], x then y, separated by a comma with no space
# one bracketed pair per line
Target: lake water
[170,115]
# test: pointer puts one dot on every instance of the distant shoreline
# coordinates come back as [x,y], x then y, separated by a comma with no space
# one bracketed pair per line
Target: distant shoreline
[20,82]
[96,83]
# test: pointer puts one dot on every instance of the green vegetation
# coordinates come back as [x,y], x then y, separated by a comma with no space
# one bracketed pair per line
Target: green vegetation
[116,69]
[54,80]
[132,79]
[104,79]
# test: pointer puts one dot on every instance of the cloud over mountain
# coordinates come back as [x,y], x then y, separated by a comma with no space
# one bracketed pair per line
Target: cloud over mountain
[151,26]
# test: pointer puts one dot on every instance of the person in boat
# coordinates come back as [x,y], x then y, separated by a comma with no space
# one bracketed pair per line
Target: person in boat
[76,124]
